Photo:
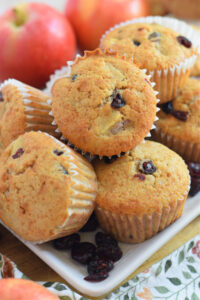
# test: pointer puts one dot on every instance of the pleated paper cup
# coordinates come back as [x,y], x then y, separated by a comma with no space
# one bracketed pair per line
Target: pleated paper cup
[26,108]
[170,80]
[130,228]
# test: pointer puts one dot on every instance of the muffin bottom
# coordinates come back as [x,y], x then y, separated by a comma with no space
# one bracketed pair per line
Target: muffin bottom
[188,150]
[129,228]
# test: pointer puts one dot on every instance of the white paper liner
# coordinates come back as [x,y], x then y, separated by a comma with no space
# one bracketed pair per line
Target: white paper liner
[66,72]
[188,150]
[82,193]
[168,81]
[36,109]
[57,74]
[60,73]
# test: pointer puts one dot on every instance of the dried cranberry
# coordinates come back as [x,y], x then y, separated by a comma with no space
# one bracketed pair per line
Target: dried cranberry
[102,239]
[74,77]
[180,115]
[167,107]
[194,169]
[1,97]
[117,100]
[91,225]
[195,186]
[83,252]
[136,43]
[19,153]
[147,167]
[109,252]
[58,152]
[140,176]
[184,41]
[66,242]
[98,265]
[97,277]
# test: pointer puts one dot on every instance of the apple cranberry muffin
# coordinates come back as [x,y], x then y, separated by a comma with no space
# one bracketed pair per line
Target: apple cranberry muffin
[22,109]
[46,189]
[141,193]
[167,55]
[178,126]
[105,106]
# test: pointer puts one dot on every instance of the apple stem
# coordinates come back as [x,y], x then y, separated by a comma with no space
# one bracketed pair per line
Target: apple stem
[20,16]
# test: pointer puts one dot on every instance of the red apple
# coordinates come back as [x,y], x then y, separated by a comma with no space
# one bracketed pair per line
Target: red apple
[35,39]
[21,289]
[91,18]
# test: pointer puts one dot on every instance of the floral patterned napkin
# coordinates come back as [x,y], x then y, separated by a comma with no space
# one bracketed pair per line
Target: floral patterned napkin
[177,276]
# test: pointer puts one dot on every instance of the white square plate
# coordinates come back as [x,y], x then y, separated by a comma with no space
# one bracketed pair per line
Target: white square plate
[133,255]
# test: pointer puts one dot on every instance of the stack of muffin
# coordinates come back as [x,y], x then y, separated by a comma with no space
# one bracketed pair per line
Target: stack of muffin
[104,105]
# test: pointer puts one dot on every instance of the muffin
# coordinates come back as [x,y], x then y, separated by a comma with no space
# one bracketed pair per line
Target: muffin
[166,47]
[22,109]
[141,193]
[188,9]
[105,105]
[196,68]
[178,126]
[46,189]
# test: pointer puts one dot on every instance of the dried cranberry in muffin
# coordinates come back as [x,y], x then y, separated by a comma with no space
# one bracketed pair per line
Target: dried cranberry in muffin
[181,115]
[178,114]
[167,107]
[117,100]
[18,153]
[184,41]
[147,167]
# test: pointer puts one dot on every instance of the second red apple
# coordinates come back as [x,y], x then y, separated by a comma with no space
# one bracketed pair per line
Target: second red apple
[91,18]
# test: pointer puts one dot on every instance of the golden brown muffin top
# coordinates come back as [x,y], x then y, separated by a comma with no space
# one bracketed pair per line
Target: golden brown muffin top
[106,106]
[125,187]
[151,46]
[184,121]
[42,181]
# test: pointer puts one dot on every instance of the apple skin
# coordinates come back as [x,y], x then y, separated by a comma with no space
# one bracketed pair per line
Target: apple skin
[21,289]
[32,51]
[91,18]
